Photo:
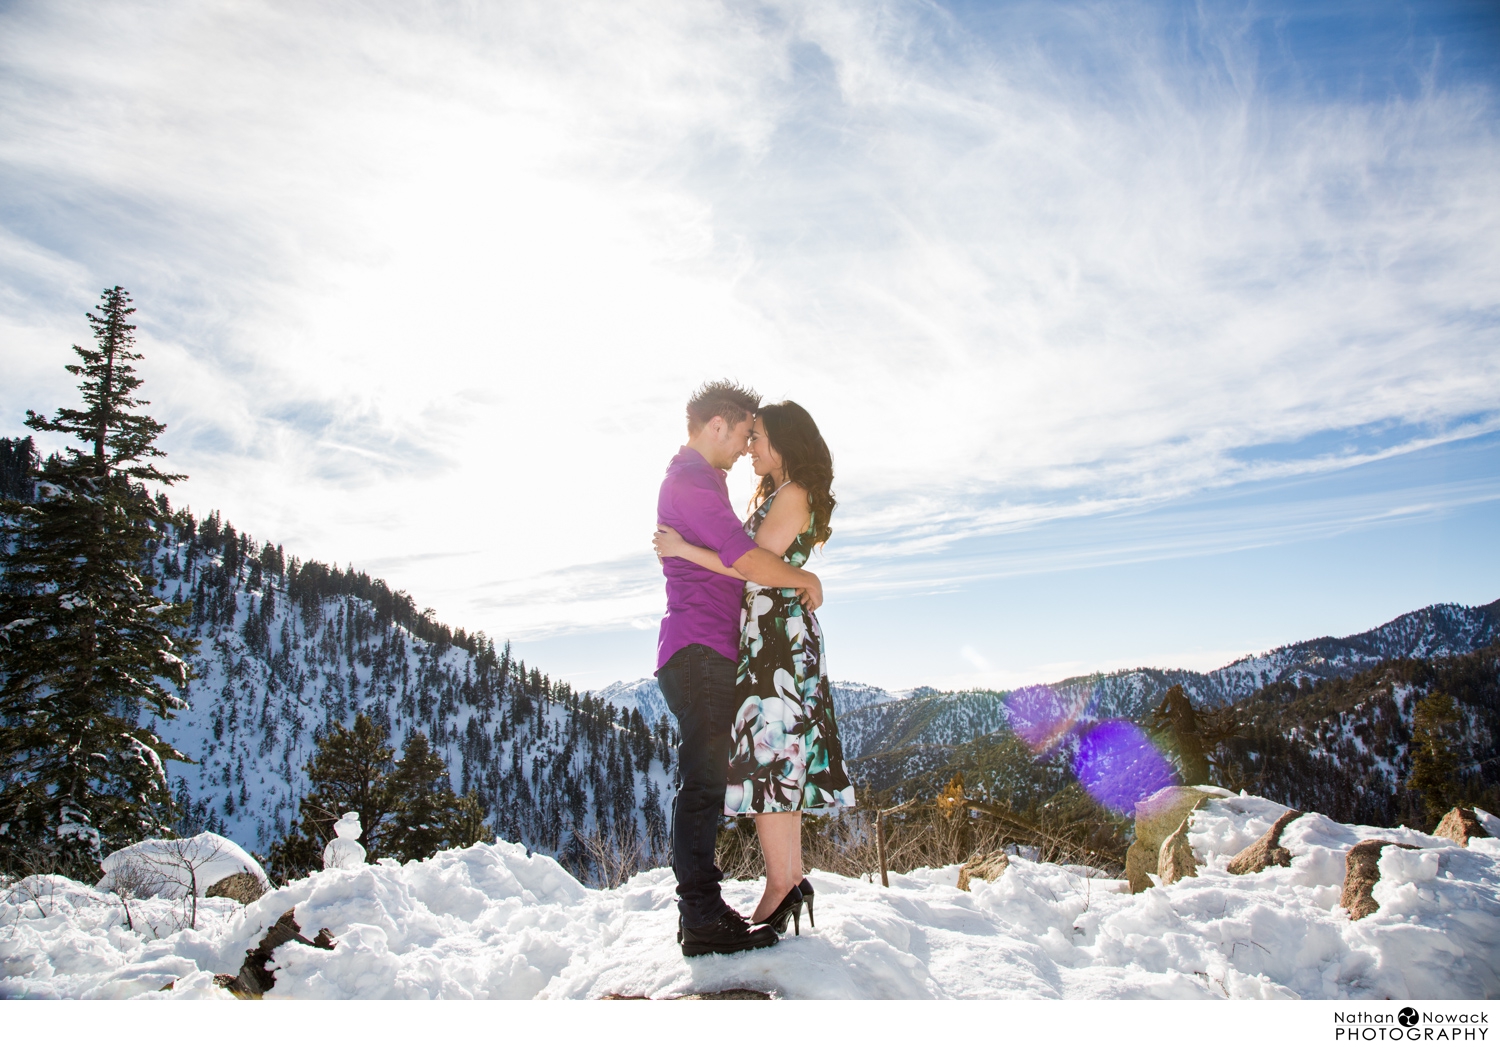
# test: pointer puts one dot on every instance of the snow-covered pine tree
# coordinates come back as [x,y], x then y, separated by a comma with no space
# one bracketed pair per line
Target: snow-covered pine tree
[86,647]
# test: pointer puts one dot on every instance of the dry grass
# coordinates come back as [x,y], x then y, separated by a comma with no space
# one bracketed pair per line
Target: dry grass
[1069,828]
[921,837]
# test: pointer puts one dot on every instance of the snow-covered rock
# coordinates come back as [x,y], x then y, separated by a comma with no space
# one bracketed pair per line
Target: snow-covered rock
[492,921]
[177,867]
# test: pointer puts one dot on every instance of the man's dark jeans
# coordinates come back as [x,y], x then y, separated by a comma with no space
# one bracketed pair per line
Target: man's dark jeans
[698,684]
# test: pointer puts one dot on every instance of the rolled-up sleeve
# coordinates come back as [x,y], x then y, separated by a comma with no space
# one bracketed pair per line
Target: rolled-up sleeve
[705,519]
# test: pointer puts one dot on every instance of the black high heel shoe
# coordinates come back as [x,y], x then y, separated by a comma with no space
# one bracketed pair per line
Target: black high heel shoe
[807,897]
[790,907]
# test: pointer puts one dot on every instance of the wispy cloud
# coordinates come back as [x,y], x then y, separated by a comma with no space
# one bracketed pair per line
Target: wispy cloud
[432,278]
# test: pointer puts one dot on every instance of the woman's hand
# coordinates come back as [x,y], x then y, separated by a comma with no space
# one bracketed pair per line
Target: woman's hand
[668,542]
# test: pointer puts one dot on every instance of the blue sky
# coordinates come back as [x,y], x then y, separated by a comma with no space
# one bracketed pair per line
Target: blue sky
[1142,333]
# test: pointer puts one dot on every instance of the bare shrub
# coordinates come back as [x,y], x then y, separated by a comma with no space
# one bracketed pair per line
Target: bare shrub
[844,844]
[609,859]
[169,868]
[737,851]
[182,863]
[131,881]
[35,891]
[931,834]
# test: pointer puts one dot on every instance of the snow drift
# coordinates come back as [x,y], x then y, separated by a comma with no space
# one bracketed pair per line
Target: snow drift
[491,921]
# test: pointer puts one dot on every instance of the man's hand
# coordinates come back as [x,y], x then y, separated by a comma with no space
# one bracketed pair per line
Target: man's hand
[811,599]
[762,567]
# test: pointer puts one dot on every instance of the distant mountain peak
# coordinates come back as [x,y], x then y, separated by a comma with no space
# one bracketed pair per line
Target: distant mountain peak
[929,716]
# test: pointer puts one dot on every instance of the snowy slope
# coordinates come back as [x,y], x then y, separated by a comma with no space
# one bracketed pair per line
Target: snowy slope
[642,695]
[493,922]
[280,658]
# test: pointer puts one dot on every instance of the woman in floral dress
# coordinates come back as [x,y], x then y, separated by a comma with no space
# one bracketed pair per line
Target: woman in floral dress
[785,758]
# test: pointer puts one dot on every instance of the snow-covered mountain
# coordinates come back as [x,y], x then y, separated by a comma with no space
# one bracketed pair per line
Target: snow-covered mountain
[1434,631]
[286,649]
[644,695]
[851,696]
[874,720]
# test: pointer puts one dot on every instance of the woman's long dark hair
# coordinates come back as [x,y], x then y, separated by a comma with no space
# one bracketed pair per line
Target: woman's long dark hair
[805,459]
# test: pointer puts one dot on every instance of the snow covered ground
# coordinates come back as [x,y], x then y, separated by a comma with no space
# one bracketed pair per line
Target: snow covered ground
[489,921]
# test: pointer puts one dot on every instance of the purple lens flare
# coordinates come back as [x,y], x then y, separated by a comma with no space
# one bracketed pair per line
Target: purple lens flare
[1042,717]
[1119,766]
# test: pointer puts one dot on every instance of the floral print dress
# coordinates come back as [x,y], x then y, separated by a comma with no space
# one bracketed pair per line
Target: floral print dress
[784,753]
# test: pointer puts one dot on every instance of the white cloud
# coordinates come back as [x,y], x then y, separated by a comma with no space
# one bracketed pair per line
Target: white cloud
[435,282]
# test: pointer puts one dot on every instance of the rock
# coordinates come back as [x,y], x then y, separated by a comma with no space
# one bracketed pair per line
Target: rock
[254,979]
[988,867]
[1137,867]
[1461,825]
[1176,862]
[1266,850]
[1361,873]
[1156,818]
[728,993]
[241,886]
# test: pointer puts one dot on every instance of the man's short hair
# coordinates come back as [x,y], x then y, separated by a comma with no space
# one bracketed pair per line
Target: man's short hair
[723,398]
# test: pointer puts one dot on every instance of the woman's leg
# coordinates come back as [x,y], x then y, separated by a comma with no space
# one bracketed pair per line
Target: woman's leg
[781,844]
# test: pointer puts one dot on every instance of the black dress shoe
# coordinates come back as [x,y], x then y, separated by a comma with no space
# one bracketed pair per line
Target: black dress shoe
[807,898]
[728,933]
[790,907]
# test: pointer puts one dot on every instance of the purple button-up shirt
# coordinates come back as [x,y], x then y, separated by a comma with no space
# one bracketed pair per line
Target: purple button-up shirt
[703,607]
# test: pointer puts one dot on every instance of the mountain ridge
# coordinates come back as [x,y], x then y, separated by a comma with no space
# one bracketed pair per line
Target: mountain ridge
[873,720]
[287,648]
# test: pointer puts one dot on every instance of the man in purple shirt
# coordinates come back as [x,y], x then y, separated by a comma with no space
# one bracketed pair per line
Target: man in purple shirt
[698,653]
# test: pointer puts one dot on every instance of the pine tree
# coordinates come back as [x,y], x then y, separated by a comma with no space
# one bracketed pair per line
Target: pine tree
[350,771]
[1192,734]
[426,807]
[86,649]
[408,808]
[18,465]
[1434,765]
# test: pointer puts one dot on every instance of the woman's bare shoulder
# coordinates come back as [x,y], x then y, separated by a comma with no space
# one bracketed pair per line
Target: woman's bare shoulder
[791,506]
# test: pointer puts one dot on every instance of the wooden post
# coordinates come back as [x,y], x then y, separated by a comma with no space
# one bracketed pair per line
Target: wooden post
[880,815]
